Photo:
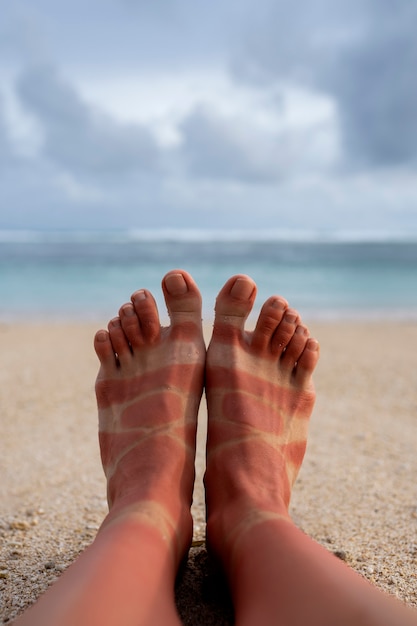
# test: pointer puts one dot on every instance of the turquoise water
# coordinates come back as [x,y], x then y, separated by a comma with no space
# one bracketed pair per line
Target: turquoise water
[87,276]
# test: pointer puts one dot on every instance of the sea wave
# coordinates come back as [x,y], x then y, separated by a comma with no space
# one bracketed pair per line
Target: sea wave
[194,235]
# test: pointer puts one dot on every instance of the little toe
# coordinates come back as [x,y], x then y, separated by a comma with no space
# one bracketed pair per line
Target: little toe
[234,302]
[119,340]
[104,349]
[307,362]
[148,324]
[270,316]
[285,331]
[182,298]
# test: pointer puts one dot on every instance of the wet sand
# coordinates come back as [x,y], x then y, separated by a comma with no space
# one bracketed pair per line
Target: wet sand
[356,493]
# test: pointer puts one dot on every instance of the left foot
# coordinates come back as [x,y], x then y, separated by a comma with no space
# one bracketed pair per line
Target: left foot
[148,391]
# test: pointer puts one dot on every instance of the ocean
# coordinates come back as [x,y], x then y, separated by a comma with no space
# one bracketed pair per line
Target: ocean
[88,275]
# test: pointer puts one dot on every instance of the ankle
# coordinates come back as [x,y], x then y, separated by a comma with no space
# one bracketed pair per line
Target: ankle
[175,530]
[227,525]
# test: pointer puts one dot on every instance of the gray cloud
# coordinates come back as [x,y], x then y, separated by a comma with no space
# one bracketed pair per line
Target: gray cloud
[4,140]
[232,149]
[219,148]
[79,138]
[8,158]
[362,54]
[87,168]
[376,88]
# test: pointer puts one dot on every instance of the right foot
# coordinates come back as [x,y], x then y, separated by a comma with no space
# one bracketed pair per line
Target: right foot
[260,396]
[148,391]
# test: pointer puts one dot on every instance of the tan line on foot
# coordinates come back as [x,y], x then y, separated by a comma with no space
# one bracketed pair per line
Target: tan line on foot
[148,392]
[260,397]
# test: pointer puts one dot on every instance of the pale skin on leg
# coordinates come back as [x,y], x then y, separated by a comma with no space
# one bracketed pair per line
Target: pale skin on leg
[148,389]
[260,396]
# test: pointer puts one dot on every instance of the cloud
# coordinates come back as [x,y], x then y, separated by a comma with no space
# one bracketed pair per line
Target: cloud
[362,54]
[264,114]
[247,144]
[10,157]
[5,148]
[225,148]
[260,147]
[376,88]
[79,138]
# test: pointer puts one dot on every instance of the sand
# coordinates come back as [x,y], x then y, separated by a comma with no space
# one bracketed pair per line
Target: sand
[356,493]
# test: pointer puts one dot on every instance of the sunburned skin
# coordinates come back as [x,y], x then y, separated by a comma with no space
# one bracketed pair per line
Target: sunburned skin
[148,392]
[260,397]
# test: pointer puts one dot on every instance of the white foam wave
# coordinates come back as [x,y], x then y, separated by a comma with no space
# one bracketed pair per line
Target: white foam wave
[204,235]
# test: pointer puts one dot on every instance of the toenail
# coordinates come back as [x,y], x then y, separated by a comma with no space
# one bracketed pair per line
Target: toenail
[175,284]
[290,317]
[279,304]
[115,322]
[313,345]
[242,289]
[102,336]
[129,311]
[139,295]
[301,330]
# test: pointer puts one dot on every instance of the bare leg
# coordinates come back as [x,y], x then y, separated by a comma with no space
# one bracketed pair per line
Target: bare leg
[148,391]
[260,396]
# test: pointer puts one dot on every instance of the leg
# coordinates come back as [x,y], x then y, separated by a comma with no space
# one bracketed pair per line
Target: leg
[260,396]
[148,391]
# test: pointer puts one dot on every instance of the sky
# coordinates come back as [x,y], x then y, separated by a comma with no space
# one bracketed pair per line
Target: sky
[239,115]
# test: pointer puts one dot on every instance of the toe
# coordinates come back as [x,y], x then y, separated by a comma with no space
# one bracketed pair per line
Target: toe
[182,298]
[234,302]
[294,348]
[270,316]
[284,331]
[307,363]
[119,340]
[104,349]
[148,325]
[130,325]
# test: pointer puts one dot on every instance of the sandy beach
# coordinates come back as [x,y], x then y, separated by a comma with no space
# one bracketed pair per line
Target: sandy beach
[356,493]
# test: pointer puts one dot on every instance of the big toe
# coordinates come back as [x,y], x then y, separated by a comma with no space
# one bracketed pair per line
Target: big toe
[182,297]
[235,302]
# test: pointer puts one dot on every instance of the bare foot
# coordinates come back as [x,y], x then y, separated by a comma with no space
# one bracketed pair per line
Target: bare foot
[260,396]
[148,391]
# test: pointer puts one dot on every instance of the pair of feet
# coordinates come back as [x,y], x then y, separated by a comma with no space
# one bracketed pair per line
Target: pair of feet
[259,396]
